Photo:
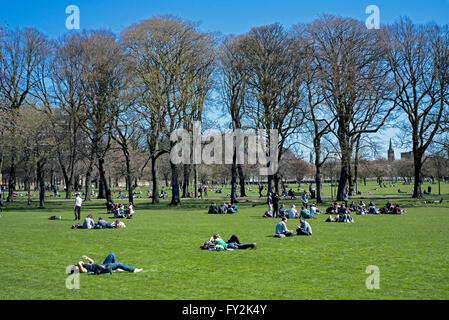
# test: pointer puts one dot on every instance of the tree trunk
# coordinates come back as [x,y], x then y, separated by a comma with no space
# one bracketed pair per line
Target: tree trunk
[175,199]
[41,181]
[234,178]
[241,181]
[130,186]
[276,182]
[155,197]
[89,177]
[185,184]
[104,181]
[417,192]
[195,180]
[344,177]
[11,179]
[318,174]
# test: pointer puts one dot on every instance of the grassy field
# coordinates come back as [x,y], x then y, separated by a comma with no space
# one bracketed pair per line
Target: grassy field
[410,251]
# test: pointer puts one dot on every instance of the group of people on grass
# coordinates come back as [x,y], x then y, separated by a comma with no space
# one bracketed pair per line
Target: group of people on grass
[89,223]
[223,209]
[281,231]
[362,209]
[276,211]
[120,212]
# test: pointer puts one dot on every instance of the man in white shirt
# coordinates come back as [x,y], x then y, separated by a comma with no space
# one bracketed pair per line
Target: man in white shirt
[77,208]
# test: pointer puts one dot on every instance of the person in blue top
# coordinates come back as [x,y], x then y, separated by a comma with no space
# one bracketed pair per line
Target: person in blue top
[305,214]
[304,229]
[89,222]
[281,229]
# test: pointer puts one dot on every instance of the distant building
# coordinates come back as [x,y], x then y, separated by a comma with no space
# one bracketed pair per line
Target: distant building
[390,152]
[407,155]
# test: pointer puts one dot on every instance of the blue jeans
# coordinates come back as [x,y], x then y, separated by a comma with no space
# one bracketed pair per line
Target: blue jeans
[117,265]
[234,245]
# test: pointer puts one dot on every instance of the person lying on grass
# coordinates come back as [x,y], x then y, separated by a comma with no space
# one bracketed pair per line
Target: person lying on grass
[304,229]
[281,229]
[118,224]
[232,243]
[109,265]
[102,224]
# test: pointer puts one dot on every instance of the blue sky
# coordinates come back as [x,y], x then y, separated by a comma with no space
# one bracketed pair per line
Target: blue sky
[224,16]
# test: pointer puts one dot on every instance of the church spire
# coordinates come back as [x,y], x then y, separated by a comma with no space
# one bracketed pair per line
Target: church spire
[390,152]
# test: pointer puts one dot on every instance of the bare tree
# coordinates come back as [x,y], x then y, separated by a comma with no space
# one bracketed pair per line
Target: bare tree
[274,66]
[419,58]
[175,65]
[102,83]
[234,86]
[21,51]
[354,77]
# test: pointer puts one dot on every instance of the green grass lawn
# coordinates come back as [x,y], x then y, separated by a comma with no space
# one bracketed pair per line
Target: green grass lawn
[410,250]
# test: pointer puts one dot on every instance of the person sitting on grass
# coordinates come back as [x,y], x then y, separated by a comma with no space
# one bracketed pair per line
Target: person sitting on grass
[223,208]
[372,208]
[282,211]
[314,209]
[333,208]
[388,209]
[118,214]
[232,243]
[281,229]
[305,214]
[232,208]
[398,210]
[109,264]
[331,219]
[344,217]
[213,209]
[268,214]
[291,194]
[353,207]
[89,222]
[362,207]
[304,229]
[130,211]
[292,213]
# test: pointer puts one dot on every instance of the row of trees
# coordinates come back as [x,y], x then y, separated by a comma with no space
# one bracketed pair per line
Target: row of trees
[328,86]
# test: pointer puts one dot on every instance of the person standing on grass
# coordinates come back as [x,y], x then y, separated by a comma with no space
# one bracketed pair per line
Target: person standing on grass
[77,208]
[276,200]
[305,199]
[270,202]
[109,263]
